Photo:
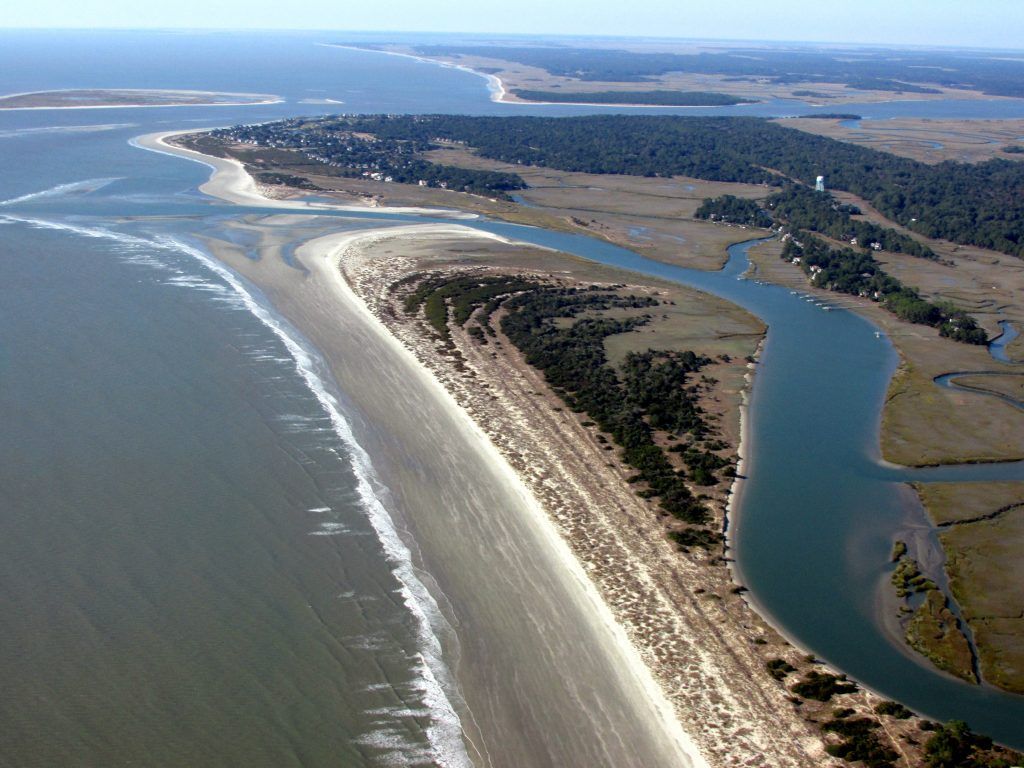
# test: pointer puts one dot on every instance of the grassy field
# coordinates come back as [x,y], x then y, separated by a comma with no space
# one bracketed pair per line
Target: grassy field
[982,525]
[930,141]
[1008,385]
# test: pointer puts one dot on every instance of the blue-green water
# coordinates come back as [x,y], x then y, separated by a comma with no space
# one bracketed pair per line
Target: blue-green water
[200,565]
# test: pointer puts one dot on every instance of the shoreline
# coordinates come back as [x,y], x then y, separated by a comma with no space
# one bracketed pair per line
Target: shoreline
[327,253]
[801,744]
[494,83]
[864,700]
[236,182]
[230,181]
[641,587]
[501,95]
[263,99]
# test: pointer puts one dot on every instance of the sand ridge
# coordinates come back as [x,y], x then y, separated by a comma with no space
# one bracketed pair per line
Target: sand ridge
[699,648]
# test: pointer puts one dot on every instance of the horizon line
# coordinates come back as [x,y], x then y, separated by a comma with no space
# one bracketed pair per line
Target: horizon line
[522,35]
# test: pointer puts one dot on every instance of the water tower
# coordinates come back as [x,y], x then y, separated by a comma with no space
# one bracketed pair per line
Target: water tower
[819,185]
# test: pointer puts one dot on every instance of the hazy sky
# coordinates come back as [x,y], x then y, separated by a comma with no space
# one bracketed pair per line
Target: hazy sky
[971,23]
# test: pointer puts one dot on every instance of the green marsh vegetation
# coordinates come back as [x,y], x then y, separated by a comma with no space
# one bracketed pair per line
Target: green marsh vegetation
[647,400]
[931,629]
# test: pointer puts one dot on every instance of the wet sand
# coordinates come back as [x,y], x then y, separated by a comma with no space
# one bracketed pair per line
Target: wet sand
[555,666]
[548,677]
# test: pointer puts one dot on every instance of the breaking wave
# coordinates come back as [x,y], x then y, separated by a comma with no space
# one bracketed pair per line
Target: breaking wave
[72,188]
[19,132]
[433,684]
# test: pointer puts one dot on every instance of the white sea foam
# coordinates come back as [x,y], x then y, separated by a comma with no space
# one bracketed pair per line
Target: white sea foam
[336,529]
[433,684]
[74,187]
[330,529]
[20,132]
[444,733]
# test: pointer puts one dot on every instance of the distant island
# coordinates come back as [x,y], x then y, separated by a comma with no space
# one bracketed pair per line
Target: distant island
[635,98]
[86,98]
[815,73]
[746,72]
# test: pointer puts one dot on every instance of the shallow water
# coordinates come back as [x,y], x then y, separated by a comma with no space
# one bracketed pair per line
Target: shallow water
[194,565]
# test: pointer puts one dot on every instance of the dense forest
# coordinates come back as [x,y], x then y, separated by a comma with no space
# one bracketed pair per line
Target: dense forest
[661,98]
[561,333]
[734,210]
[800,208]
[903,71]
[977,204]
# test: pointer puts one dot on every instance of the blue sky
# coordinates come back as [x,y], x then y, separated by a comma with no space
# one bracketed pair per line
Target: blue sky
[968,23]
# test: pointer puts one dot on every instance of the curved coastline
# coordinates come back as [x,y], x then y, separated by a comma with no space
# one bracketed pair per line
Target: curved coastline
[229,181]
[494,83]
[327,253]
[870,692]
[766,615]
[501,95]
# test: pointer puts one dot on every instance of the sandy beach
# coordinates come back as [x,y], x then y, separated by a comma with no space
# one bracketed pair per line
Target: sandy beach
[496,86]
[534,694]
[694,650]
[229,181]
[699,649]
[494,83]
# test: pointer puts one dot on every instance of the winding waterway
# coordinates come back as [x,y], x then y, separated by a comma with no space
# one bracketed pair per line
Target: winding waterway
[819,511]
[163,451]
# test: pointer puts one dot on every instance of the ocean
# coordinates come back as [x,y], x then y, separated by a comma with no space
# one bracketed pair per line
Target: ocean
[206,558]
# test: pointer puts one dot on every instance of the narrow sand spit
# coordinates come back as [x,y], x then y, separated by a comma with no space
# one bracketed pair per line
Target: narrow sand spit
[545,671]
[324,257]
[231,182]
[699,648]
